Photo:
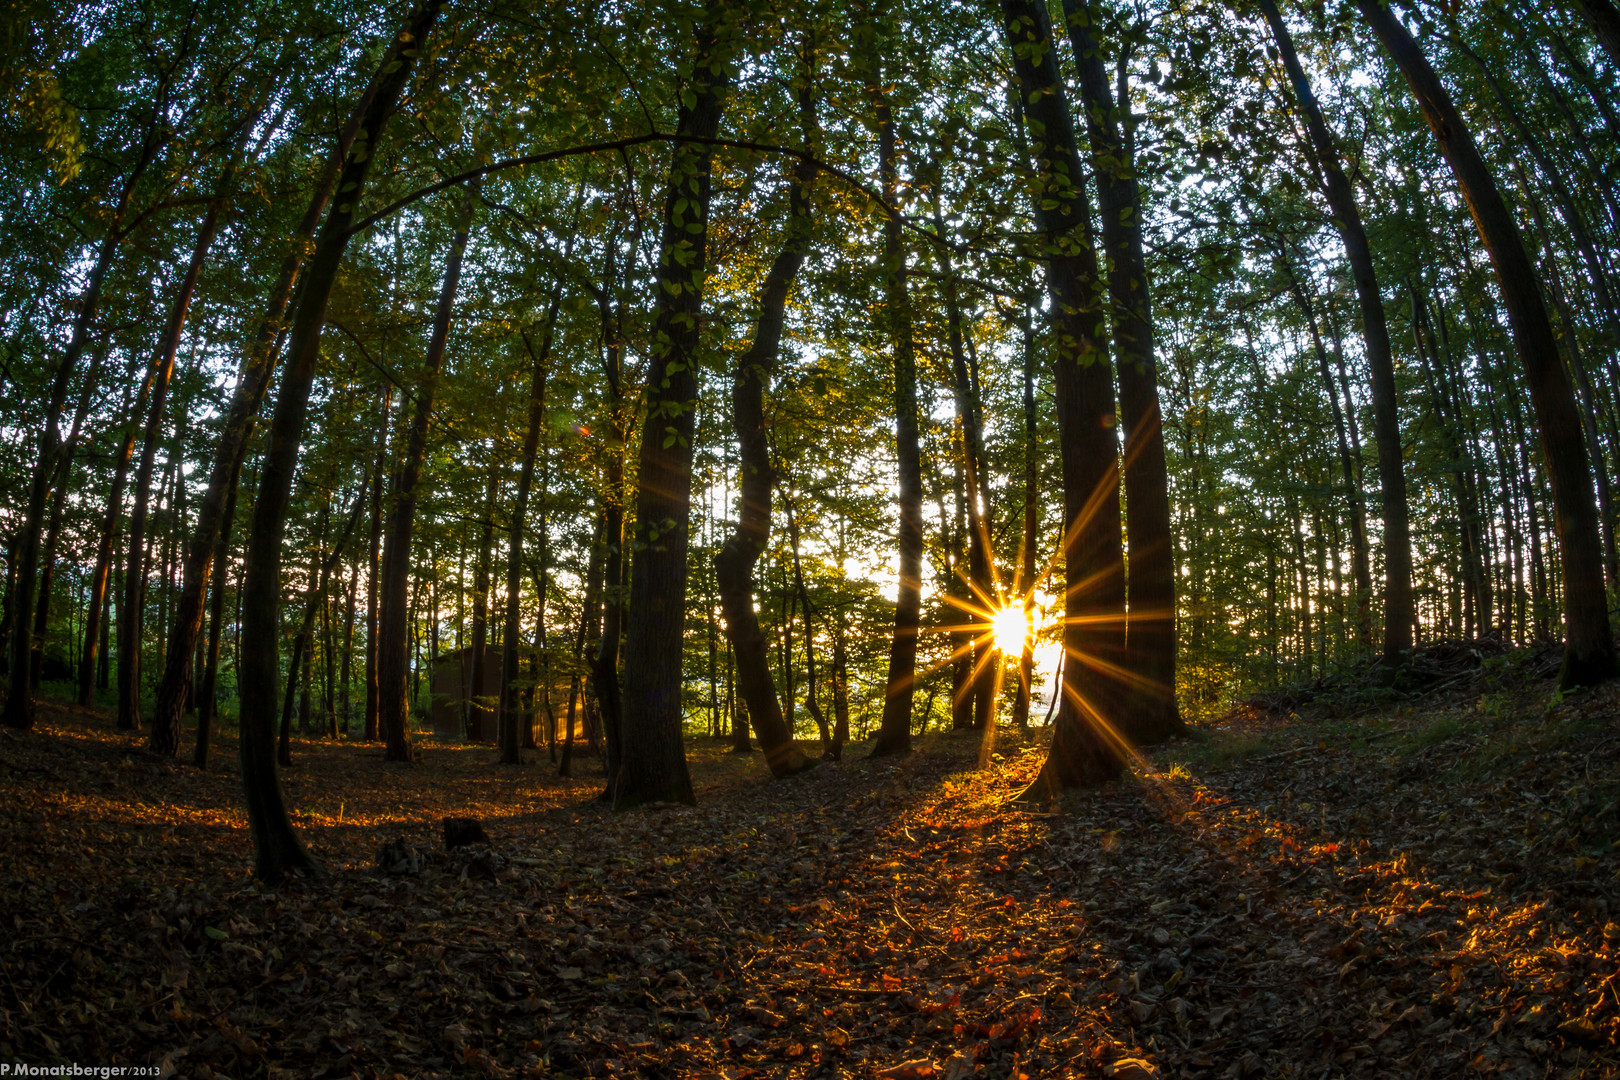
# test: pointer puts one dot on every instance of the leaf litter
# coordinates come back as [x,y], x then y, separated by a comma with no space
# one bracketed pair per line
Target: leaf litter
[1343,907]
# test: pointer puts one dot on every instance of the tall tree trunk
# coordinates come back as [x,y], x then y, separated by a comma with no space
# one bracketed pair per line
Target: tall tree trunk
[1087,748]
[1360,560]
[1324,152]
[510,705]
[1027,577]
[252,380]
[1589,644]
[64,471]
[479,715]
[208,709]
[95,654]
[1454,436]
[393,645]
[984,676]
[1347,401]
[347,669]
[734,566]
[652,759]
[276,845]
[894,731]
[374,564]
[830,748]
[1150,714]
[19,705]
[165,735]
[590,625]
[320,573]
[541,667]
[132,610]
[606,635]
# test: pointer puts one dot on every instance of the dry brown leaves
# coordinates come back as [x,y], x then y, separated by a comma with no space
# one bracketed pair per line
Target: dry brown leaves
[1327,913]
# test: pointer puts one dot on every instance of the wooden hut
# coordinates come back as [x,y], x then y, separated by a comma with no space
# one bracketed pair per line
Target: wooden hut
[453,693]
[454,697]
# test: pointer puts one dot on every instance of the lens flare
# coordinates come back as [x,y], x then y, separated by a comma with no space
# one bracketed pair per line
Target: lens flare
[1009,628]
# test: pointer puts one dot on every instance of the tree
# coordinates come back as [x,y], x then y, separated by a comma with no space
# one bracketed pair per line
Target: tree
[894,734]
[651,763]
[277,847]
[1150,646]
[1588,644]
[1087,747]
[734,566]
[1324,157]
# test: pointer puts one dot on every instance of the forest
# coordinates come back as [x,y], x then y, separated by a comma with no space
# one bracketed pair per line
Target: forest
[717,538]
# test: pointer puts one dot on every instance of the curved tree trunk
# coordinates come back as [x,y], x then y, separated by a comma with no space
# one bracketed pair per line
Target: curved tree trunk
[1087,748]
[1150,714]
[734,565]
[251,383]
[1398,610]
[651,764]
[276,845]
[1588,644]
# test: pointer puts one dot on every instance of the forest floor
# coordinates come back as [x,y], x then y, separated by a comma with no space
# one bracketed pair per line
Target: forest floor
[1428,891]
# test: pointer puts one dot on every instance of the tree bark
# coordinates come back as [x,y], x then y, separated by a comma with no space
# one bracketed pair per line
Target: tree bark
[1398,610]
[734,565]
[19,705]
[894,731]
[652,759]
[541,361]
[393,644]
[1588,644]
[208,707]
[132,611]
[1149,663]
[277,846]
[479,715]
[1027,578]
[64,470]
[374,564]
[1087,748]
[252,380]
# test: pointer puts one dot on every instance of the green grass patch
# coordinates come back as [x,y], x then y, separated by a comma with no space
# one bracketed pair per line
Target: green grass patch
[1213,752]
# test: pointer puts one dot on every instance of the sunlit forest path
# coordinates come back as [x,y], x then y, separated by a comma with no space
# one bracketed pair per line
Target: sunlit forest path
[1424,893]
